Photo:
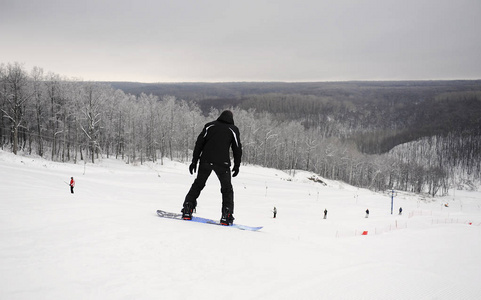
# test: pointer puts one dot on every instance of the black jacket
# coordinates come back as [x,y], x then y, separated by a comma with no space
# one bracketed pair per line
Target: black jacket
[213,143]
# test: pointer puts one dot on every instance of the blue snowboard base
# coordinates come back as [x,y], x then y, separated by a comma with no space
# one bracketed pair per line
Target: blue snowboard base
[169,215]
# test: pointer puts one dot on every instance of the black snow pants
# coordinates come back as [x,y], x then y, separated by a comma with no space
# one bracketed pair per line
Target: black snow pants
[223,173]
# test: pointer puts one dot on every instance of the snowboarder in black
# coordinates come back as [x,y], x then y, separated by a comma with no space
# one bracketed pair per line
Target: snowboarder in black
[212,149]
[325,213]
[400,211]
[275,212]
[367,213]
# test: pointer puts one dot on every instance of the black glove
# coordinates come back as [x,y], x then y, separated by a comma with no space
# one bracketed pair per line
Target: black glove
[193,168]
[235,171]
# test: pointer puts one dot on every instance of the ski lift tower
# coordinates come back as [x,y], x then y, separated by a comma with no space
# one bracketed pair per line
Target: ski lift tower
[393,194]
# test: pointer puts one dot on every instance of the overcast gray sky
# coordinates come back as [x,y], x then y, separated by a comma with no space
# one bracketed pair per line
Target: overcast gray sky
[244,40]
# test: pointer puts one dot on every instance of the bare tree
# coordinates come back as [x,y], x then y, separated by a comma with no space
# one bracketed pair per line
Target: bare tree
[40,105]
[91,117]
[16,94]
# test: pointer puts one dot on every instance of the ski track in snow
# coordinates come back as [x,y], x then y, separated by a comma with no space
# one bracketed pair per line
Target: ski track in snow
[106,241]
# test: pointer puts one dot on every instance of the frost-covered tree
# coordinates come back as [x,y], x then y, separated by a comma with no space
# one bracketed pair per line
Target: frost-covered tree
[15,94]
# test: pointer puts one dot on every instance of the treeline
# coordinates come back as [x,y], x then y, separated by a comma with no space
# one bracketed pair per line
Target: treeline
[354,90]
[65,120]
[50,116]
[377,125]
[377,116]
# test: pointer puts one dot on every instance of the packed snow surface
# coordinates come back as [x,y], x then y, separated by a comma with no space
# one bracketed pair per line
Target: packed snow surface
[105,241]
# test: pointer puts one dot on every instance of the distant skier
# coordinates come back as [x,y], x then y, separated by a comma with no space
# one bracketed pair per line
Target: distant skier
[275,212]
[367,213]
[400,211]
[212,149]
[71,184]
[325,213]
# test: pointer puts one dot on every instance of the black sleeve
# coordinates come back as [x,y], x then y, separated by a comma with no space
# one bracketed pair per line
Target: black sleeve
[236,147]
[199,146]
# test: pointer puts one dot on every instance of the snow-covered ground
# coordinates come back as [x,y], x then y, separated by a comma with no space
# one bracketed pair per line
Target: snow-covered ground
[106,241]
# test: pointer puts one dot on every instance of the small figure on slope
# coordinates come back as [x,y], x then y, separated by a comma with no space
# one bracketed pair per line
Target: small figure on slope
[367,213]
[400,211]
[275,212]
[71,184]
[325,213]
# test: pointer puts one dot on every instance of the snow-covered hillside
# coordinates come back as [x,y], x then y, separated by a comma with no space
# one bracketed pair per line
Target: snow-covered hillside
[106,241]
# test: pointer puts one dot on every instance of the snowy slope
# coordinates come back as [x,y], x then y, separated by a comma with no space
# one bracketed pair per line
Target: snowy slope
[106,242]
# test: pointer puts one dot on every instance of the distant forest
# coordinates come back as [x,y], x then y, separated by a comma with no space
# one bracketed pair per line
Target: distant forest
[377,115]
[419,136]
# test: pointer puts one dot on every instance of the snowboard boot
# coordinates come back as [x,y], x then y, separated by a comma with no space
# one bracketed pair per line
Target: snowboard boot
[187,211]
[227,217]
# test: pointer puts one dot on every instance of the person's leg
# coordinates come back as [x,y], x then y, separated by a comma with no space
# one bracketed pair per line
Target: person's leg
[223,173]
[199,183]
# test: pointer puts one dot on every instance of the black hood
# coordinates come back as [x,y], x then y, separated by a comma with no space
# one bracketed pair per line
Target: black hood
[227,117]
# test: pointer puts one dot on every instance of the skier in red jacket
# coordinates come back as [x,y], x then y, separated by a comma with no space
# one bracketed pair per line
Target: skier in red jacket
[72,184]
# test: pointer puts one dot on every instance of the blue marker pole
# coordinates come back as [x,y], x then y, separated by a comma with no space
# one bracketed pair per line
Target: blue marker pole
[392,200]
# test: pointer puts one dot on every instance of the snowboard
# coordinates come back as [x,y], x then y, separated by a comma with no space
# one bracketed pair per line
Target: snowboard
[170,215]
